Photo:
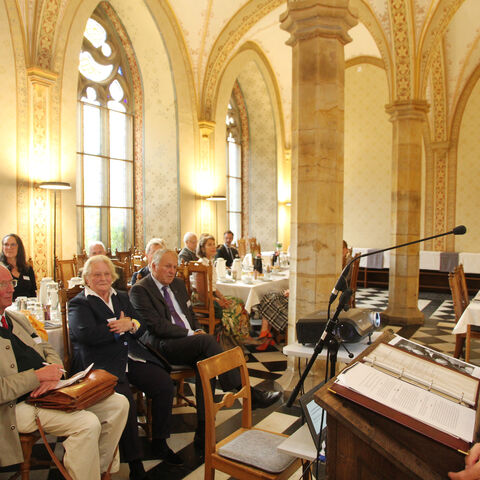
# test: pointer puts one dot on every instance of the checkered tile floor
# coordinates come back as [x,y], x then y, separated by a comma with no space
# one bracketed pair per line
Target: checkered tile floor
[265,369]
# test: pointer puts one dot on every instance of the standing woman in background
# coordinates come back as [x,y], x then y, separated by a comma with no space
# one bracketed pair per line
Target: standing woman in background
[13,257]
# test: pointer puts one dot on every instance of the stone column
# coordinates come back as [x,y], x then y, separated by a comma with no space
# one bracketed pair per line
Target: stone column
[407,117]
[41,165]
[318,31]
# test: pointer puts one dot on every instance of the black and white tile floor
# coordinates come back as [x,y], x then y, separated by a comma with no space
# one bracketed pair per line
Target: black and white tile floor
[265,369]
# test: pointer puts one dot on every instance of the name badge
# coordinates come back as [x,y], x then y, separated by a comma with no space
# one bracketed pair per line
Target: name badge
[26,277]
[37,340]
[189,303]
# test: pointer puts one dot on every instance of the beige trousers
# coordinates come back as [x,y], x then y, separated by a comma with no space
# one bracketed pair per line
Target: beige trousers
[92,434]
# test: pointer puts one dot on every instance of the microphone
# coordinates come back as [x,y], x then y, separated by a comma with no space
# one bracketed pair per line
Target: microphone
[341,284]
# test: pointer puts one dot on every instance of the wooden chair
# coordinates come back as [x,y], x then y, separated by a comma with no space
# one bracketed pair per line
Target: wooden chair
[65,270]
[64,296]
[27,441]
[242,247]
[126,268]
[202,294]
[354,268]
[254,247]
[79,261]
[460,273]
[458,309]
[123,256]
[268,441]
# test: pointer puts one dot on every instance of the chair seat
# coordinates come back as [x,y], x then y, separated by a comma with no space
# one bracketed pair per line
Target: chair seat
[258,449]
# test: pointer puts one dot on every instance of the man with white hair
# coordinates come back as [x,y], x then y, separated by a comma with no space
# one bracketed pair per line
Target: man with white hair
[98,248]
[188,253]
[30,366]
[152,246]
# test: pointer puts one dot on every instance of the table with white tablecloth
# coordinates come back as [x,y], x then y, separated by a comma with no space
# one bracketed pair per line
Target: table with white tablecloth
[471,316]
[252,294]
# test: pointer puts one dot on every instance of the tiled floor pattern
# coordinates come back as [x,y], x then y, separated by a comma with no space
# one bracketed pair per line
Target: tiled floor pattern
[265,368]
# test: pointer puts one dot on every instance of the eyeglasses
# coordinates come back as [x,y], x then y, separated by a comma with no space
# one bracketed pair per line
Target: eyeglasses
[13,283]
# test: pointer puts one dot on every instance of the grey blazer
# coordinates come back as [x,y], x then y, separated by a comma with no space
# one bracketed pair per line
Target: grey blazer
[152,309]
[13,384]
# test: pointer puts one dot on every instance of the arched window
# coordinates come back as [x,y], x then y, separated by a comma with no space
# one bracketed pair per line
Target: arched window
[234,169]
[105,139]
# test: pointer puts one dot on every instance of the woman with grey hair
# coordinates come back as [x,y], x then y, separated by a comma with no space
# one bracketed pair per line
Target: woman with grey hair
[104,330]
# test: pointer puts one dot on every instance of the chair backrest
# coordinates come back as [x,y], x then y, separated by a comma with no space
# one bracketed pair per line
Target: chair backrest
[79,261]
[458,305]
[64,296]
[242,247]
[125,266]
[198,280]
[254,247]
[65,270]
[122,256]
[354,268]
[211,368]
[460,273]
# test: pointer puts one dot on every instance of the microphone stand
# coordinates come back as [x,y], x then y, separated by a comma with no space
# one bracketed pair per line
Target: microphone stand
[341,285]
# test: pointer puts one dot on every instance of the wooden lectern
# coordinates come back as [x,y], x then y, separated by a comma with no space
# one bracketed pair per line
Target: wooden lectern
[364,445]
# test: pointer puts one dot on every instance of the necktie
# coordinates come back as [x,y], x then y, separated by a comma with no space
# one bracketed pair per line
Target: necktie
[175,315]
[230,253]
[4,322]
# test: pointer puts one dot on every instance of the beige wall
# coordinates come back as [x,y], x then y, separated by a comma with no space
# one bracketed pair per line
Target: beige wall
[8,133]
[368,153]
[468,174]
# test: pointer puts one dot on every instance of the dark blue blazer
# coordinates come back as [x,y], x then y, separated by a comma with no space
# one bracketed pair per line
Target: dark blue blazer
[92,340]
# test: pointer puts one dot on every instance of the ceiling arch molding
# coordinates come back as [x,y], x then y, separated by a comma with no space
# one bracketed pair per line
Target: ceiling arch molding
[431,39]
[225,44]
[368,18]
[250,51]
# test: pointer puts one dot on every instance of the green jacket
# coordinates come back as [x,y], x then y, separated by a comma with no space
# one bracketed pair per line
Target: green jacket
[13,385]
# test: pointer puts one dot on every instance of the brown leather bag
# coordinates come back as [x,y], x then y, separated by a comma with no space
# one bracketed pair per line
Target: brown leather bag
[94,387]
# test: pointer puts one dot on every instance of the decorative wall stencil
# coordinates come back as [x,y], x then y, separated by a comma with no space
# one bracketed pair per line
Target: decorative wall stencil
[368,146]
[137,123]
[403,54]
[242,109]
[262,157]
[468,169]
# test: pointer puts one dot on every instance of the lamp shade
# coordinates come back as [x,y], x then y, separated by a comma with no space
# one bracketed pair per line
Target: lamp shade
[55,185]
[216,198]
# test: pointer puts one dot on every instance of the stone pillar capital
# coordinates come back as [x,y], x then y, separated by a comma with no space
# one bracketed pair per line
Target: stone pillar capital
[40,76]
[305,19]
[407,109]
[206,128]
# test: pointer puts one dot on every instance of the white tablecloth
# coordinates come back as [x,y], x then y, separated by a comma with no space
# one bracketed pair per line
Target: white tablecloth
[252,294]
[471,262]
[471,316]
[55,339]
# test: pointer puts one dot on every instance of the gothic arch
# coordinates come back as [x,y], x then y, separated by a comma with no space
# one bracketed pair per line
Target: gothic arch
[226,42]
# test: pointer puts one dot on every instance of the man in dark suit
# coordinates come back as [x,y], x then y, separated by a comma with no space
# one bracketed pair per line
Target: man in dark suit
[188,252]
[161,300]
[226,251]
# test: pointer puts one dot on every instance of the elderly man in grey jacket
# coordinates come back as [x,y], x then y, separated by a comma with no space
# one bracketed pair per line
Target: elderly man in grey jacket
[30,366]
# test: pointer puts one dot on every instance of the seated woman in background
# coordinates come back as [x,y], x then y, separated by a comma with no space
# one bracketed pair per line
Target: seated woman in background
[13,257]
[273,309]
[103,330]
[235,320]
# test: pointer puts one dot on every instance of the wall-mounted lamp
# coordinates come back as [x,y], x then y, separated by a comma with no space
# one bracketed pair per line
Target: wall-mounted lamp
[216,198]
[55,186]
